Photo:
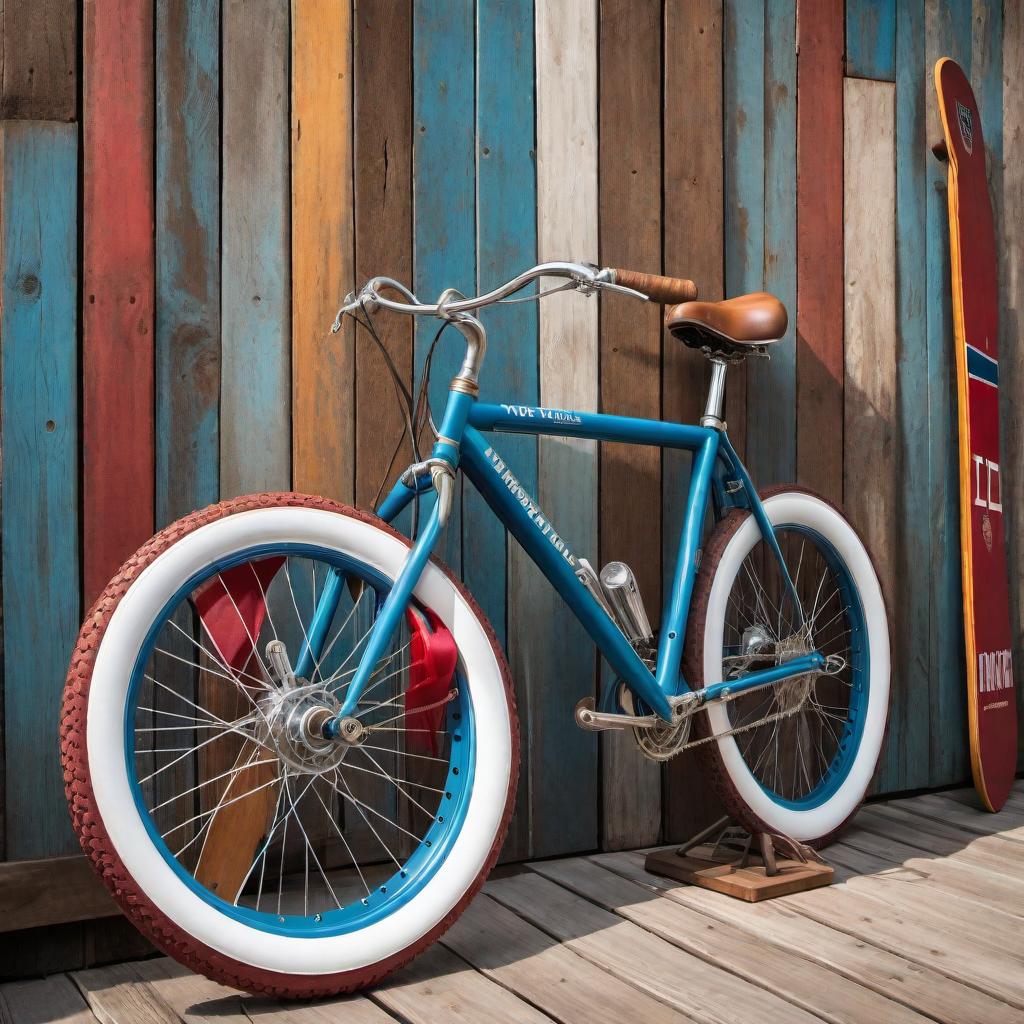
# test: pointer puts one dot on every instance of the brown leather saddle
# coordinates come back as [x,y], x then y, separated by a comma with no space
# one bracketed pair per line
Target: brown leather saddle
[733,328]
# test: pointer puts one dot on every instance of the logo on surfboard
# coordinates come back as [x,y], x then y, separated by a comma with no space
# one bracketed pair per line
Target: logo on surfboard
[965,118]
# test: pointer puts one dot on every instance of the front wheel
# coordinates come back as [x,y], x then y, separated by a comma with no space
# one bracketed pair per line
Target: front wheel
[796,757]
[231,832]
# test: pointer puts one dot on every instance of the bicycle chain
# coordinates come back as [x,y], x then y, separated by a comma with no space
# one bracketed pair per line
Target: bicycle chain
[777,716]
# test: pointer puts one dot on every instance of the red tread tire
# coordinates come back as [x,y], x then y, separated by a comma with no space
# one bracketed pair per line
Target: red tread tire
[93,837]
[713,768]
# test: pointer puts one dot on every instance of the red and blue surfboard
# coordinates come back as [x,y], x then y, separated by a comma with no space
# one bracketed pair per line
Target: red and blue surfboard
[992,713]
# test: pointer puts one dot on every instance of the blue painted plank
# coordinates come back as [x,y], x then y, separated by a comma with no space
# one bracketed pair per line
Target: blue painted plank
[187,257]
[906,759]
[444,203]
[256,400]
[40,471]
[744,113]
[500,576]
[771,384]
[507,240]
[871,39]
[948,33]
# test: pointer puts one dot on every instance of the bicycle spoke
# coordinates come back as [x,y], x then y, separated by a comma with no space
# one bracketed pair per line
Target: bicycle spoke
[327,833]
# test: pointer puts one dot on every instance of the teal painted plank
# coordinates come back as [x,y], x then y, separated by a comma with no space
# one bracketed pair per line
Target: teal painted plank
[444,210]
[507,241]
[987,78]
[40,471]
[906,759]
[744,113]
[771,384]
[948,33]
[256,401]
[871,39]
[743,100]
[187,256]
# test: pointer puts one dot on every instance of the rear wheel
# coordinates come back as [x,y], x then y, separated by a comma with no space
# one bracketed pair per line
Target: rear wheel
[231,832]
[796,757]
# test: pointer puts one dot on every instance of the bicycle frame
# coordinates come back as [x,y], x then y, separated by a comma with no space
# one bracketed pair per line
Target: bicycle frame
[718,476]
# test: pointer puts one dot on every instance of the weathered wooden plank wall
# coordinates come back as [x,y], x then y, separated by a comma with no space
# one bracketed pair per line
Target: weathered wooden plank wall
[775,144]
[38,297]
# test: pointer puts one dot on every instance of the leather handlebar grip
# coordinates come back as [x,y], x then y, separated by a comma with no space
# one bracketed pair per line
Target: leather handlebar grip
[661,289]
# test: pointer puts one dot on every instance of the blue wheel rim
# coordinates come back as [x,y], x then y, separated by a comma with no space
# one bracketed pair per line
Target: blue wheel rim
[435,844]
[849,741]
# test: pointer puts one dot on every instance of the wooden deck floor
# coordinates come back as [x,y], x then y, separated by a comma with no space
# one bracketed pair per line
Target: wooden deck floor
[926,924]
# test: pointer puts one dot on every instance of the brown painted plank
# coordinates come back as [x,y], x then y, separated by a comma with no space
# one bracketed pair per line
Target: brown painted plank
[545,973]
[787,975]
[629,526]
[194,998]
[383,229]
[117,995]
[439,986]
[34,893]
[892,975]
[323,417]
[118,285]
[198,1000]
[992,852]
[819,246]
[693,248]
[917,866]
[640,958]
[1008,823]
[984,923]
[42,1001]
[39,42]
[990,966]
[870,429]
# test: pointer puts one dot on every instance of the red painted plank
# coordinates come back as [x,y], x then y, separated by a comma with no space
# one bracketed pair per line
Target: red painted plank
[820,246]
[118,268]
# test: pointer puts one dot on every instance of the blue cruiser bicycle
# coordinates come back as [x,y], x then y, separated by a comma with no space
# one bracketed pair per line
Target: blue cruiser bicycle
[289,736]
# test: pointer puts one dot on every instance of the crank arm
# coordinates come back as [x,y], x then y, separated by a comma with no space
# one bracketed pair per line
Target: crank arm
[600,721]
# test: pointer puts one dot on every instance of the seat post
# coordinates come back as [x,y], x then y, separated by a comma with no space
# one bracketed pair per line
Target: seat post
[716,394]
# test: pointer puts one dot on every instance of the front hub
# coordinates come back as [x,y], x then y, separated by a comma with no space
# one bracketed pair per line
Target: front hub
[293,725]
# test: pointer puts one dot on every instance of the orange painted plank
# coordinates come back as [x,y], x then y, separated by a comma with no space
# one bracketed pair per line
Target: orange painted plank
[323,423]
[118,269]
[819,324]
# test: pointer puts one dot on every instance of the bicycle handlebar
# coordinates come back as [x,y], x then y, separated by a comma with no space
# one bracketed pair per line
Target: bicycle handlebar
[585,278]
[657,288]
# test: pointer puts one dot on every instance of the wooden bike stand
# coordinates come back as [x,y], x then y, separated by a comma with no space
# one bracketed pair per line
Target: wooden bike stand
[729,866]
